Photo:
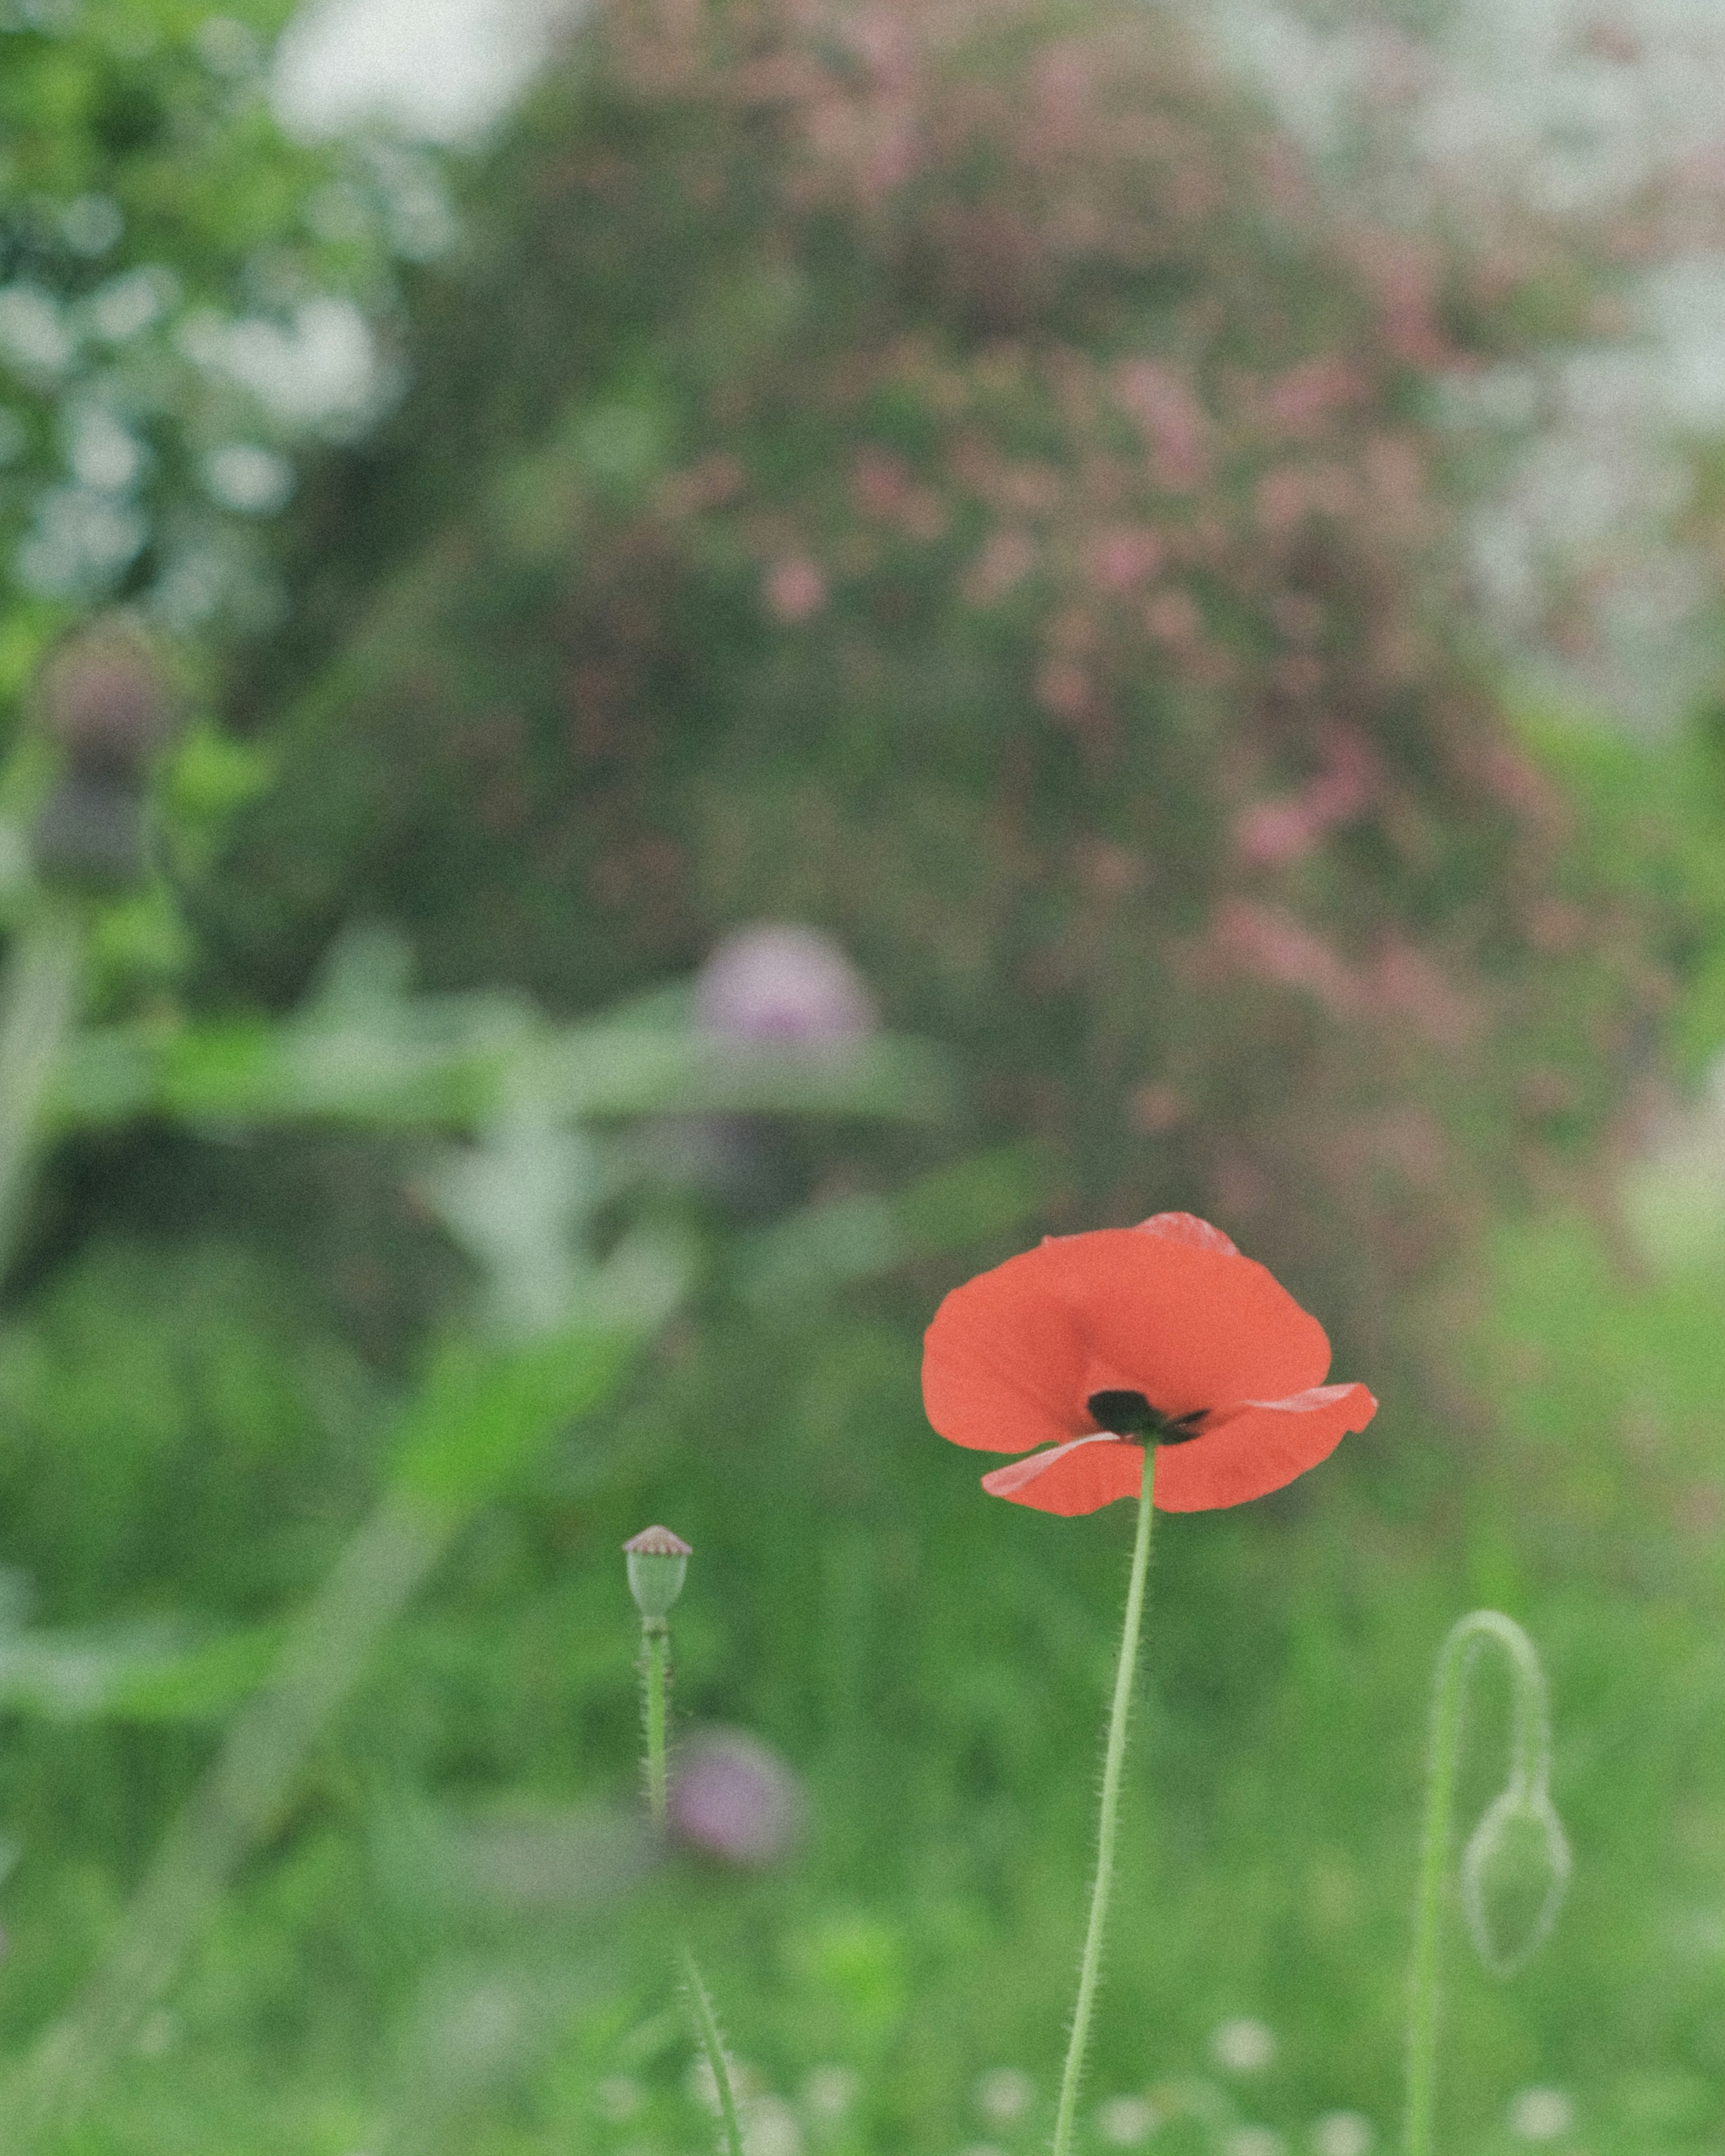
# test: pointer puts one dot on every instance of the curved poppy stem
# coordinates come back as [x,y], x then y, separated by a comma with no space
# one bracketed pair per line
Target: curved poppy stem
[1529,1771]
[1089,1968]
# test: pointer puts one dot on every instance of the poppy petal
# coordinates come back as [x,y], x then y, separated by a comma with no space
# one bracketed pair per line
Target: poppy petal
[1190,1327]
[1004,1362]
[1259,1447]
[1078,1477]
[1013,1354]
[1188,1228]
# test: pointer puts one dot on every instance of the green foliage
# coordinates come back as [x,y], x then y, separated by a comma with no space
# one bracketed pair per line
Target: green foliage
[934,1665]
[188,304]
[1651,817]
[196,1478]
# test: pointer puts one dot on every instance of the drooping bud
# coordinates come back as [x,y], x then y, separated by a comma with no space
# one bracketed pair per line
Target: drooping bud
[657,1560]
[1514,1873]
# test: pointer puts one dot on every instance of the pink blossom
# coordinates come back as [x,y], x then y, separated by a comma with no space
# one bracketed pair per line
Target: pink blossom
[794,589]
[1065,87]
[1155,1109]
[1404,273]
[1171,617]
[1290,493]
[1272,834]
[1006,561]
[1124,555]
[1300,401]
[1063,688]
[1408,984]
[1276,833]
[1272,945]
[1164,406]
[879,485]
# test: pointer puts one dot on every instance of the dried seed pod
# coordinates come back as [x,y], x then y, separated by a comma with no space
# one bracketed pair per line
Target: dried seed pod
[657,1561]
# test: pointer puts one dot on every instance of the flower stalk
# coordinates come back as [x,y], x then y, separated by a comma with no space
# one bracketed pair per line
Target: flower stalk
[657,1562]
[1090,1967]
[39,1008]
[655,1651]
[1522,1812]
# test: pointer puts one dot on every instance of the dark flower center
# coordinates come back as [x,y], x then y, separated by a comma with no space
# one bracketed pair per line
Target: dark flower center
[1130,1415]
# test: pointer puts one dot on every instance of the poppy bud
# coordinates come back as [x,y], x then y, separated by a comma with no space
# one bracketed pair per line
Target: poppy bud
[733,1797]
[88,834]
[657,1560]
[1514,1871]
[777,983]
[106,703]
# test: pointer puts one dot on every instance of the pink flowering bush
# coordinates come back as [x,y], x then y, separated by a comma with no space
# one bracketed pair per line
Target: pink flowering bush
[956,484]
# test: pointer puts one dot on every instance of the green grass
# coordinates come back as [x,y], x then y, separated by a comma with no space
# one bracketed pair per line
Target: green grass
[936,1664]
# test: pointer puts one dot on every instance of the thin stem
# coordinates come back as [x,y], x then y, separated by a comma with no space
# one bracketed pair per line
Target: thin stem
[656,1645]
[1530,1754]
[706,2025]
[1090,1969]
[656,1665]
[39,1003]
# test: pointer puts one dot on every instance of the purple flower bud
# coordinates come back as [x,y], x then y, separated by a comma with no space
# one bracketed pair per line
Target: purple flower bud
[778,982]
[732,1797]
[106,702]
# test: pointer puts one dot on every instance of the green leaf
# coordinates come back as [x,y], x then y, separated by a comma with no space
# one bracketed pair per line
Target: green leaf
[484,1409]
[843,1239]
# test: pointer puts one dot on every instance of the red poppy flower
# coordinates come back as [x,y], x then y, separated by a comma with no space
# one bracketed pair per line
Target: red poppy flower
[1095,1345]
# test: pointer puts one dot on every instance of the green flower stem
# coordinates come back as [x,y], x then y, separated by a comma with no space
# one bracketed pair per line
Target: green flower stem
[656,1645]
[655,1660]
[1530,1750]
[38,1003]
[706,2024]
[1090,1969]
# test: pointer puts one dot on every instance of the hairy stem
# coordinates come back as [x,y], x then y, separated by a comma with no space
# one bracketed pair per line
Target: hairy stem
[706,2027]
[655,1669]
[655,1647]
[1089,1968]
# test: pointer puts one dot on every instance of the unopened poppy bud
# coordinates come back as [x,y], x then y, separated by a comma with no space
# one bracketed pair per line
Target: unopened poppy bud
[1514,1871]
[657,1560]
[107,702]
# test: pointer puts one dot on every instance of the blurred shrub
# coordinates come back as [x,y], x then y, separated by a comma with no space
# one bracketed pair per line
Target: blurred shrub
[189,305]
[938,472]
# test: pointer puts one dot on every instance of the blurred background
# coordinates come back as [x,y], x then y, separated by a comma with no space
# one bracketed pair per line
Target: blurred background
[673,674]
